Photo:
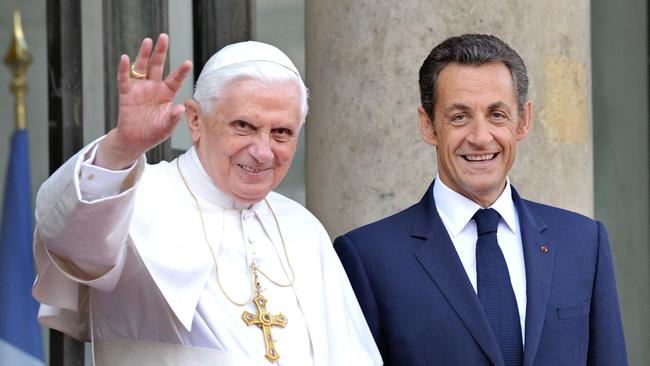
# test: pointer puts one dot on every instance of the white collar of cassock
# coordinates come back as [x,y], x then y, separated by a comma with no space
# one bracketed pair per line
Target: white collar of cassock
[202,185]
[182,288]
[457,210]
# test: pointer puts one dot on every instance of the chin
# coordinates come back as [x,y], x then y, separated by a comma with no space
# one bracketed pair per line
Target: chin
[488,187]
[247,201]
[249,197]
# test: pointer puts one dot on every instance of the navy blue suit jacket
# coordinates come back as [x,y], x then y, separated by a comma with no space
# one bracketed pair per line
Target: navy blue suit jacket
[423,310]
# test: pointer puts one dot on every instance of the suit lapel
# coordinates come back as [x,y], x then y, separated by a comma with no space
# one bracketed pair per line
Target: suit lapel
[538,256]
[440,260]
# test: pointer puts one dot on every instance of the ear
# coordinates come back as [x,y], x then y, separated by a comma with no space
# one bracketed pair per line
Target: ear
[525,121]
[427,130]
[193,120]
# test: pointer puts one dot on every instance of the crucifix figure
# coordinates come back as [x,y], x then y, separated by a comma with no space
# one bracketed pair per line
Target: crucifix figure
[265,321]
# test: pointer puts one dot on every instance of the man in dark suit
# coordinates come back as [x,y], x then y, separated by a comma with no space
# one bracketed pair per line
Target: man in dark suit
[473,274]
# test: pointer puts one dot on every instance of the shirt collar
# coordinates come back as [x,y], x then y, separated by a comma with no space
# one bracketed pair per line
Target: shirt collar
[456,210]
[202,185]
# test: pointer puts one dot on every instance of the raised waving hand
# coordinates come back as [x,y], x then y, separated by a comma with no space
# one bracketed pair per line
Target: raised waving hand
[147,114]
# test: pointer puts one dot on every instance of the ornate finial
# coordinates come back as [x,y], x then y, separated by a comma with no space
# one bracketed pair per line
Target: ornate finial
[18,59]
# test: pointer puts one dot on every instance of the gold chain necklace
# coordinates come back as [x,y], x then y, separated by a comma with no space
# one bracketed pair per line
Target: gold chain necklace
[254,268]
[263,319]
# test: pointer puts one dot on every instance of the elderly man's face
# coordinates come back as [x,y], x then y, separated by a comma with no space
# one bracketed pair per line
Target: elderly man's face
[476,125]
[247,143]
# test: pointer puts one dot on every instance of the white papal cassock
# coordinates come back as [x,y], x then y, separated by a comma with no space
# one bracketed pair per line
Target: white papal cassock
[152,276]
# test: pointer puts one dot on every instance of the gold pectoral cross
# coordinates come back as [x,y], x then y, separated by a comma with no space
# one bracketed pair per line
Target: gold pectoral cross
[265,321]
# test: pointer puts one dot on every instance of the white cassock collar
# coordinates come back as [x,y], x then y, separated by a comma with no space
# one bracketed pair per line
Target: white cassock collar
[204,186]
[172,246]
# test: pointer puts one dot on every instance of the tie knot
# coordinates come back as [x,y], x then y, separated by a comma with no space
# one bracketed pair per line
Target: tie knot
[487,221]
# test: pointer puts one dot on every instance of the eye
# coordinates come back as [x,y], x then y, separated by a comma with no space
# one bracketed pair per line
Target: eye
[459,118]
[498,116]
[242,126]
[282,134]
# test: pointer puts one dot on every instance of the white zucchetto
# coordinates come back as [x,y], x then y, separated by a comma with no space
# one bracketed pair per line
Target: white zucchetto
[244,52]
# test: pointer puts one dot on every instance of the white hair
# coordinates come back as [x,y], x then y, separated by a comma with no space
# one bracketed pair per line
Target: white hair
[213,84]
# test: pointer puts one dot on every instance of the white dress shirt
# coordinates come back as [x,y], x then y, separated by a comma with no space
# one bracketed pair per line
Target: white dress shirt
[456,213]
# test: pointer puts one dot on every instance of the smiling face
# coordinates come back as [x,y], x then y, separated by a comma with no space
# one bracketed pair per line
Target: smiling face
[247,144]
[476,126]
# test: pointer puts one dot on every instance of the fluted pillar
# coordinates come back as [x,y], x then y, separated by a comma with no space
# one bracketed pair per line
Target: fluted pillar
[126,23]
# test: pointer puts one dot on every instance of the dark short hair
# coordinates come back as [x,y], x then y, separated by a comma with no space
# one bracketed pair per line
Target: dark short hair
[470,49]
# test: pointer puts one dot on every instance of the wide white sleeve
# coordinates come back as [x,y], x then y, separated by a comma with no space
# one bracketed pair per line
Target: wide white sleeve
[79,242]
[87,235]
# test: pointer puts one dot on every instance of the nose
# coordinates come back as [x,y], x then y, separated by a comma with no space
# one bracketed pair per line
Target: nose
[480,132]
[261,150]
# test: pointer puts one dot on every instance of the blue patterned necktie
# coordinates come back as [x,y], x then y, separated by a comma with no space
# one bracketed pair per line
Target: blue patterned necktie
[494,288]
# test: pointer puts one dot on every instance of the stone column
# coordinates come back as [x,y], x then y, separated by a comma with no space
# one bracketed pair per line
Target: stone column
[218,23]
[365,158]
[622,157]
[126,24]
[65,81]
[65,127]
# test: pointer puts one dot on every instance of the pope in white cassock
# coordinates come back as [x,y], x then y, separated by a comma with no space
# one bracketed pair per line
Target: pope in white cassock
[196,261]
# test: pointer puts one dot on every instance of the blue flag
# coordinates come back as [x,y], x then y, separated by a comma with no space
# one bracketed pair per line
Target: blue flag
[20,334]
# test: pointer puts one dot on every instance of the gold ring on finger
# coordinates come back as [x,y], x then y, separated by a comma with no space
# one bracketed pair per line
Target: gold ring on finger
[136,74]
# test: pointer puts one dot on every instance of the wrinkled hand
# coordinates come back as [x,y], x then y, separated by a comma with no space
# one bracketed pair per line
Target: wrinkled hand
[147,114]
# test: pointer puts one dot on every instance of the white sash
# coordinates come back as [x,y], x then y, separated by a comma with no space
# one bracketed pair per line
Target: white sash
[144,353]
